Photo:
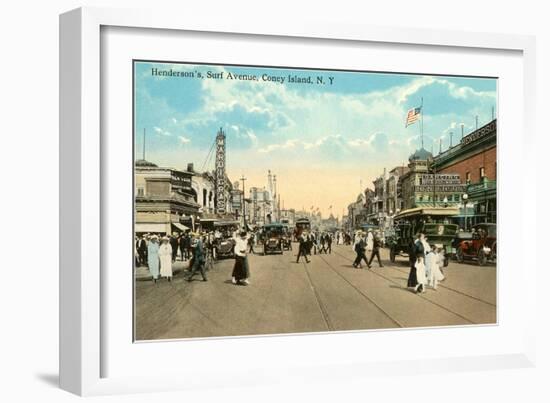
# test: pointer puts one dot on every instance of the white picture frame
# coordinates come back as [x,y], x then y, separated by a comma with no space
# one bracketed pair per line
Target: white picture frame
[82,344]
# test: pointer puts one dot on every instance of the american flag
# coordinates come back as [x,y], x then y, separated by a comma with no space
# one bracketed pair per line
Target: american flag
[413,115]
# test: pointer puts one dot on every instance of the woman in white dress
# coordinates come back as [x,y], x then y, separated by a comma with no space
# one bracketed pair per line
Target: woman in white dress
[420,274]
[435,263]
[165,257]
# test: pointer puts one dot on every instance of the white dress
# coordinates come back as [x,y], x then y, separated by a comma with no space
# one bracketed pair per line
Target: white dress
[165,257]
[370,242]
[420,273]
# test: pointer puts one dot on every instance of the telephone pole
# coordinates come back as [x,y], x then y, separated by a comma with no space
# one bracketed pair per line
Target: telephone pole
[244,203]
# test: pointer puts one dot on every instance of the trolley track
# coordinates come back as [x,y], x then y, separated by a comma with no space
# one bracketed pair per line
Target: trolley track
[451,289]
[420,295]
[396,322]
[320,303]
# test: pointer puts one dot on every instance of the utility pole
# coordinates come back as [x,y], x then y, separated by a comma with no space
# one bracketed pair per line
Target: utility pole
[244,203]
[451,143]
[462,129]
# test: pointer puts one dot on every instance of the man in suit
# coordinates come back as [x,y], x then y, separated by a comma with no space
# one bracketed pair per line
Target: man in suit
[328,241]
[360,247]
[198,259]
[184,244]
[174,245]
[376,244]
[141,247]
[303,250]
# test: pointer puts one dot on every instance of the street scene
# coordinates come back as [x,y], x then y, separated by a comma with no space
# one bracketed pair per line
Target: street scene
[277,201]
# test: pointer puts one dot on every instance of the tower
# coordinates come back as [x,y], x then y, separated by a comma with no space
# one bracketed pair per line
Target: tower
[220,172]
[270,183]
[274,197]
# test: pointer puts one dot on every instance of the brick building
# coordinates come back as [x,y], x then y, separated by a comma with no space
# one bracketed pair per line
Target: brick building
[474,159]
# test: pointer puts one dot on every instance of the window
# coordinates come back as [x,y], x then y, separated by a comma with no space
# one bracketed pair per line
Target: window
[468,177]
[141,191]
[481,172]
[457,197]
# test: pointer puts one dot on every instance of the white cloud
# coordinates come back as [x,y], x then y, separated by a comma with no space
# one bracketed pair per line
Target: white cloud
[284,146]
[184,140]
[161,132]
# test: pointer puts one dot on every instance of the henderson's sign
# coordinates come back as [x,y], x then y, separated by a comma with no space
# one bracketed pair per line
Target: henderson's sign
[479,133]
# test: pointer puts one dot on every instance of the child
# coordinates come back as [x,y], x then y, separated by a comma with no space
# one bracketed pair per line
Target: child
[432,261]
[441,260]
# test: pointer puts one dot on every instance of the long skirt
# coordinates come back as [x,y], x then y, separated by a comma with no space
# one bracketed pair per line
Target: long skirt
[239,269]
[411,282]
[153,262]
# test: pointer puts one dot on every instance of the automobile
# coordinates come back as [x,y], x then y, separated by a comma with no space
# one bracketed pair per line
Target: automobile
[273,235]
[287,238]
[224,244]
[434,222]
[481,246]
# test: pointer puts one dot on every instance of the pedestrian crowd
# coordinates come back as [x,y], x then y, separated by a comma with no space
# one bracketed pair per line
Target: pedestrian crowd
[159,253]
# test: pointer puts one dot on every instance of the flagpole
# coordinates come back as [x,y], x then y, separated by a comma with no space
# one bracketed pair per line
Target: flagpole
[422,120]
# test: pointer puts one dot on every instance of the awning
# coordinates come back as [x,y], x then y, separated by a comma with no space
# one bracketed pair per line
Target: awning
[181,227]
[150,227]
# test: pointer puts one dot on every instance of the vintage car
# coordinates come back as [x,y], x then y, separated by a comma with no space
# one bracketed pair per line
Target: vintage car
[273,238]
[287,238]
[224,244]
[433,222]
[481,246]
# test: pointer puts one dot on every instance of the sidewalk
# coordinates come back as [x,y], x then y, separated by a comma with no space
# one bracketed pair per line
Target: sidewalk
[142,273]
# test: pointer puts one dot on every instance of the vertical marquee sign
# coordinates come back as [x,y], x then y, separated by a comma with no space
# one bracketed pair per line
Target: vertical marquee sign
[220,172]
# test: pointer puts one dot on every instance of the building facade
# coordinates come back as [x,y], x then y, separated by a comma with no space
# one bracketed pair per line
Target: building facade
[474,160]
[421,186]
[165,201]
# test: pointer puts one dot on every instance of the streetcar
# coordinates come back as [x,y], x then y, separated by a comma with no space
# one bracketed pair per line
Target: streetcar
[302,224]
[434,222]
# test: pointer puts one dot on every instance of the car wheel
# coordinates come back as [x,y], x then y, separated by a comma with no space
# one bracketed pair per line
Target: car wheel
[459,255]
[481,257]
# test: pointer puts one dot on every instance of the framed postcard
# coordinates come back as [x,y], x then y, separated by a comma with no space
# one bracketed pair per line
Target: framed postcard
[261,199]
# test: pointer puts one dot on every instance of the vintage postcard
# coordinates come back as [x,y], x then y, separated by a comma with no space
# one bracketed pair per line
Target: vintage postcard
[279,200]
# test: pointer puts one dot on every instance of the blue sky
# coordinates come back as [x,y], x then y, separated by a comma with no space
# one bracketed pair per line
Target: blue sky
[352,128]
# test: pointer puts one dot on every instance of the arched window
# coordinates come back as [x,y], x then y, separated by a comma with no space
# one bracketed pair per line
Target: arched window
[204,197]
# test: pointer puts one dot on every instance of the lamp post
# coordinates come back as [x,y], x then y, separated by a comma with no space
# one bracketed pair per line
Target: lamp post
[465,200]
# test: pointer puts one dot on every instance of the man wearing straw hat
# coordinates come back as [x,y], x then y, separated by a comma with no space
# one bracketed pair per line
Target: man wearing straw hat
[198,258]
[360,247]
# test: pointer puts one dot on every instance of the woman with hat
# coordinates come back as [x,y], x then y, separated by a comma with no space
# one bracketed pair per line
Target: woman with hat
[153,257]
[241,271]
[165,257]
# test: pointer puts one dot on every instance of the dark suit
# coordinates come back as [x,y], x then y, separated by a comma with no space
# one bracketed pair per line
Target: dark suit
[141,246]
[174,245]
[198,261]
[184,247]
[303,250]
[375,251]
[360,251]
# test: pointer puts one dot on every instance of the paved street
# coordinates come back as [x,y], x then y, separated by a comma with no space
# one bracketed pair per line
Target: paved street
[326,294]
